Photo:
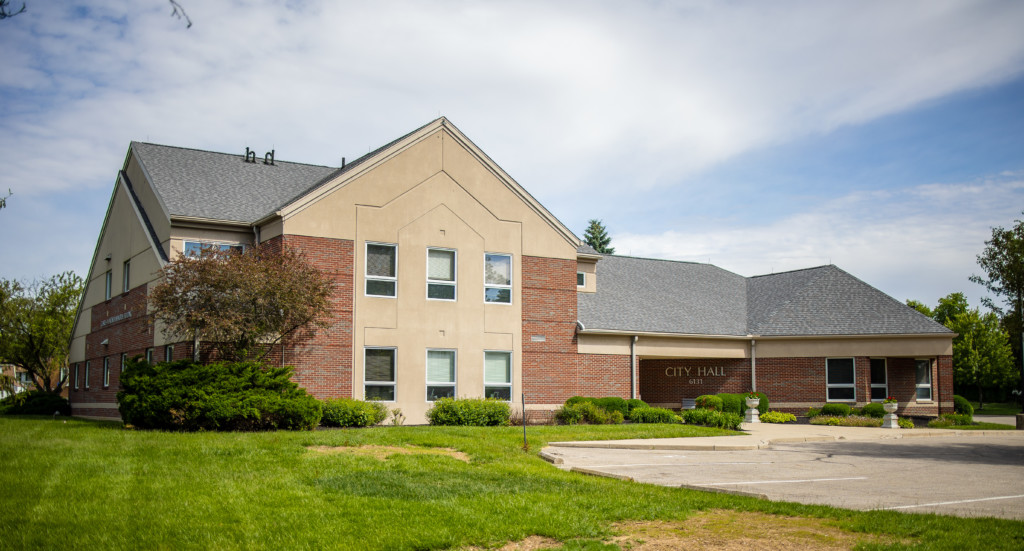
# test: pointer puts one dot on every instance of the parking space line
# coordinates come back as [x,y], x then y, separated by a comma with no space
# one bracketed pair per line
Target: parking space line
[781,481]
[677,464]
[957,502]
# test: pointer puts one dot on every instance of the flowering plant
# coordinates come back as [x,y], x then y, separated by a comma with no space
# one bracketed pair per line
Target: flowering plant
[890,400]
[752,394]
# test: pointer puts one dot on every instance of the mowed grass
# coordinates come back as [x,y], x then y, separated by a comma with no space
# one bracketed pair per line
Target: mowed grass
[1007,408]
[93,485]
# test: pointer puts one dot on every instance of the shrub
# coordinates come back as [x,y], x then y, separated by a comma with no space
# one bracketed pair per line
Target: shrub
[34,402]
[612,403]
[578,400]
[732,403]
[762,406]
[837,410]
[476,412]
[813,412]
[846,421]
[586,412]
[653,415]
[634,403]
[346,412]
[187,396]
[873,409]
[951,420]
[709,401]
[905,423]
[777,417]
[712,418]
[962,406]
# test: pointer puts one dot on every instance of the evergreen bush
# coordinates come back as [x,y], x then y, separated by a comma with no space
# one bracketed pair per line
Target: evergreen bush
[346,412]
[838,410]
[186,396]
[712,418]
[634,403]
[475,412]
[612,403]
[962,406]
[732,403]
[874,409]
[653,415]
[777,417]
[586,412]
[34,402]
[709,401]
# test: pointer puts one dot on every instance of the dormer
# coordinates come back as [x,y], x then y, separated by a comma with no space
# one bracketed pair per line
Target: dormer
[586,268]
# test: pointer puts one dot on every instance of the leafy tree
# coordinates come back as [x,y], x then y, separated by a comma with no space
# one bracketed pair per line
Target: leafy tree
[950,306]
[36,322]
[240,304]
[597,237]
[1003,264]
[981,352]
[920,307]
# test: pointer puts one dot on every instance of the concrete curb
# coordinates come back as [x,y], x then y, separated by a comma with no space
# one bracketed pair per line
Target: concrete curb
[723,491]
[594,472]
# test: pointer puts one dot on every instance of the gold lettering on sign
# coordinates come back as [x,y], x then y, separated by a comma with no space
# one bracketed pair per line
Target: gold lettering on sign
[702,371]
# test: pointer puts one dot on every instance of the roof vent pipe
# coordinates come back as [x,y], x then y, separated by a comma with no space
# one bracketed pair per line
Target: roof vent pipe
[343,162]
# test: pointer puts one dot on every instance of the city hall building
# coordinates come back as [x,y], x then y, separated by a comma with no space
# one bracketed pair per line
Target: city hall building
[450,279]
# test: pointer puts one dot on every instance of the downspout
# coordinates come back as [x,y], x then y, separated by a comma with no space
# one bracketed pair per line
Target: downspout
[753,365]
[632,366]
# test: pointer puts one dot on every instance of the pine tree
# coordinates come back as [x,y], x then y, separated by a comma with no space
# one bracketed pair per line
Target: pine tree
[597,237]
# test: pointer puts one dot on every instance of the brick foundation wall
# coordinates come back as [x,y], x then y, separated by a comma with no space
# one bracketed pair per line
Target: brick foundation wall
[323,357]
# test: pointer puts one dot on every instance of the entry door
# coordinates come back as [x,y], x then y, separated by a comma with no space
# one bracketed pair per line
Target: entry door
[879,381]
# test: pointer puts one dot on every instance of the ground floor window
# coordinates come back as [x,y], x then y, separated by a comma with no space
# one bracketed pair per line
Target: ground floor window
[879,380]
[168,353]
[149,355]
[86,374]
[124,361]
[923,377]
[498,375]
[440,374]
[77,369]
[106,371]
[839,380]
[379,374]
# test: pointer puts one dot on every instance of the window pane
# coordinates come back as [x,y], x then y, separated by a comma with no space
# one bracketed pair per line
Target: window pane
[441,291]
[441,265]
[498,269]
[497,367]
[924,393]
[878,393]
[379,364]
[924,372]
[441,366]
[380,288]
[840,371]
[380,392]
[845,393]
[193,248]
[492,294]
[380,260]
[581,279]
[498,392]
[878,371]
[437,392]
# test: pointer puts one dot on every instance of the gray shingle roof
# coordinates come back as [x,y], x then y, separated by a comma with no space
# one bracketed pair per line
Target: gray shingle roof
[639,294]
[222,186]
[662,296]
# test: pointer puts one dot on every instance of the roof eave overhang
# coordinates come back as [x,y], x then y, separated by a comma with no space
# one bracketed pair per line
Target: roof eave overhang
[207,223]
[588,256]
[622,332]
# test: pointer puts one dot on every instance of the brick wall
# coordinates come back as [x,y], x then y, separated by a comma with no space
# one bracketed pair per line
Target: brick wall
[323,357]
[549,313]
[668,381]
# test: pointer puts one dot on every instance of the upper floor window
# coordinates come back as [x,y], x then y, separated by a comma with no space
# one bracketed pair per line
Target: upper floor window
[381,269]
[839,380]
[107,280]
[923,376]
[581,279]
[441,274]
[498,278]
[195,248]
[127,275]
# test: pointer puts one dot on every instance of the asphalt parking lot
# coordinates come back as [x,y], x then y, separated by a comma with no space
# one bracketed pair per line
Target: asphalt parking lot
[948,473]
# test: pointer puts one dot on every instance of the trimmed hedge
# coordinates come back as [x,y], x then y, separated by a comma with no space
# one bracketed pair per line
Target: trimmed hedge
[709,401]
[634,403]
[653,415]
[347,412]
[474,412]
[712,418]
[578,400]
[874,409]
[732,403]
[611,403]
[837,410]
[777,417]
[225,396]
[34,402]
[962,406]
[587,412]
[951,419]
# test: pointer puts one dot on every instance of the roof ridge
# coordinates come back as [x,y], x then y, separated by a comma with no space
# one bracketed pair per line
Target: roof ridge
[797,270]
[134,142]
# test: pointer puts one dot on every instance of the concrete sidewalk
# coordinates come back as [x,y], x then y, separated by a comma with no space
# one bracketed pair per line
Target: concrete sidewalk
[763,435]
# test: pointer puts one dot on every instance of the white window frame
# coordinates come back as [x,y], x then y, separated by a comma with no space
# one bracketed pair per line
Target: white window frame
[511,368]
[393,383]
[511,279]
[221,246]
[455,372]
[885,368]
[918,386]
[78,367]
[87,366]
[149,355]
[366,270]
[106,371]
[126,273]
[581,284]
[169,353]
[124,360]
[107,284]
[851,385]
[454,283]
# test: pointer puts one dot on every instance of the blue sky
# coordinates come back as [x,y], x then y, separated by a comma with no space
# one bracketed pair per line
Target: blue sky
[884,137]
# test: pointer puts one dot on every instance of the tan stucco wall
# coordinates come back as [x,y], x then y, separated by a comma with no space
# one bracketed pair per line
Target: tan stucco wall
[432,193]
[588,267]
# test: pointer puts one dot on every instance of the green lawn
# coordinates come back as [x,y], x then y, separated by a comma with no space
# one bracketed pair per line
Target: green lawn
[92,485]
[1009,408]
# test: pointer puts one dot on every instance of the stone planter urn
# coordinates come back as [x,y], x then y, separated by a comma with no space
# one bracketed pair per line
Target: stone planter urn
[752,415]
[890,421]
